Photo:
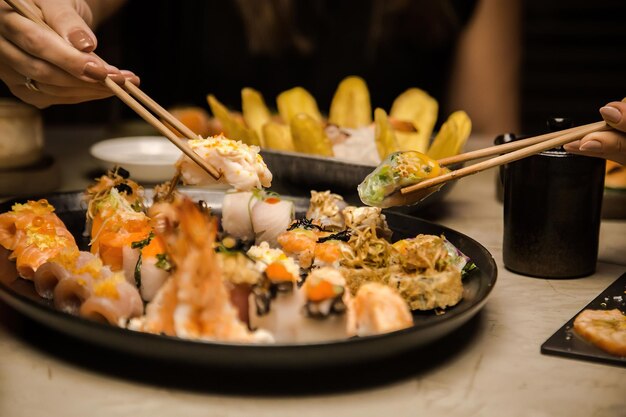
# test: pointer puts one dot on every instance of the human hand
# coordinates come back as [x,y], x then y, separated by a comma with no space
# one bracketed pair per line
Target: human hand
[61,69]
[608,144]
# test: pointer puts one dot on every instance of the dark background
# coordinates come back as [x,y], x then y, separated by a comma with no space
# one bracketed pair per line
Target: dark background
[574,61]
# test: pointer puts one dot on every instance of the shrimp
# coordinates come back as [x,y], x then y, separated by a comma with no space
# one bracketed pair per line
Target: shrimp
[377,309]
[604,328]
[194,303]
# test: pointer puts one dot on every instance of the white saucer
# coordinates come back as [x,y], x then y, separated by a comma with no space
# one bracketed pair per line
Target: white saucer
[147,158]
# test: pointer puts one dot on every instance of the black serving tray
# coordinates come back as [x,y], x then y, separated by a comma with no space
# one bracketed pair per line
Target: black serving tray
[565,342]
[362,351]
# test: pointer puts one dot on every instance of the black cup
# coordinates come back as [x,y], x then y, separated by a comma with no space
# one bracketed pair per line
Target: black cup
[501,140]
[552,208]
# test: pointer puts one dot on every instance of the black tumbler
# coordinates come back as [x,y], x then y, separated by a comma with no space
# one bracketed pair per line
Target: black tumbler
[552,210]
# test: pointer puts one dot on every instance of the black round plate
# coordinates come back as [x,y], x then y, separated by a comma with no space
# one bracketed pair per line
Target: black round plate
[428,326]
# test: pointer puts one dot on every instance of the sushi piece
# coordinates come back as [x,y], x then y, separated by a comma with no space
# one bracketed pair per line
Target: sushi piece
[240,165]
[276,300]
[116,224]
[300,243]
[381,188]
[240,275]
[33,233]
[428,276]
[145,265]
[376,309]
[312,247]
[79,283]
[113,300]
[325,210]
[325,311]
[361,219]
[271,217]
[65,265]
[236,214]
[325,290]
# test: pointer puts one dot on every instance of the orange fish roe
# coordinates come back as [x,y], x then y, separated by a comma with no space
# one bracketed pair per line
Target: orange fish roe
[319,289]
[40,207]
[108,287]
[278,272]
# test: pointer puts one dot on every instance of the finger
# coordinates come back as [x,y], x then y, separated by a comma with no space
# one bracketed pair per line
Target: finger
[39,42]
[71,22]
[50,94]
[614,114]
[43,71]
[130,76]
[608,144]
[42,100]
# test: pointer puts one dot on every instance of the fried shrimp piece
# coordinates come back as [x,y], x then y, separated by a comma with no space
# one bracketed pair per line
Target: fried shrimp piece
[604,328]
[194,303]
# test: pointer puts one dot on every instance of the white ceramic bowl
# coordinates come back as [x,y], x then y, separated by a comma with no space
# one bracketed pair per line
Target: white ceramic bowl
[147,158]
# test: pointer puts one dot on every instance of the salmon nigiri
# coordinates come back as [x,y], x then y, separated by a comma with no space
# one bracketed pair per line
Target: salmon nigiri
[33,233]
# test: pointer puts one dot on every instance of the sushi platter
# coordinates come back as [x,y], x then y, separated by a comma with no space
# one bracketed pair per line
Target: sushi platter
[427,326]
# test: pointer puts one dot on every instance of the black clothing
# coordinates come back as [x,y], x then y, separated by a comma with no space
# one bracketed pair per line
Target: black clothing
[188,49]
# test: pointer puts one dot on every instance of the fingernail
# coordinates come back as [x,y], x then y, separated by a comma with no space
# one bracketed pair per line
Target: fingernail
[81,40]
[117,78]
[94,71]
[611,114]
[592,145]
[572,146]
[127,73]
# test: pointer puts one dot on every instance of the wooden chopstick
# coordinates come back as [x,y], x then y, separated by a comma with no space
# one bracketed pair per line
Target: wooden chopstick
[512,146]
[559,139]
[156,108]
[24,7]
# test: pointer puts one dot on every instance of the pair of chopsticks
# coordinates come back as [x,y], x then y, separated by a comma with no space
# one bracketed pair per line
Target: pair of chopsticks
[507,152]
[129,95]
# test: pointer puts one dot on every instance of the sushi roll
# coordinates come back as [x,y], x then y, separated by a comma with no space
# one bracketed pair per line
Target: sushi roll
[276,301]
[325,310]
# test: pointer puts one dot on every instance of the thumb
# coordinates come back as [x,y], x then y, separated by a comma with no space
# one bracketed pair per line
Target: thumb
[614,114]
[71,20]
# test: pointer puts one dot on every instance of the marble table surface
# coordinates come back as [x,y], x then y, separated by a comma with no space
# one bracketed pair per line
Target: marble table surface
[492,366]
